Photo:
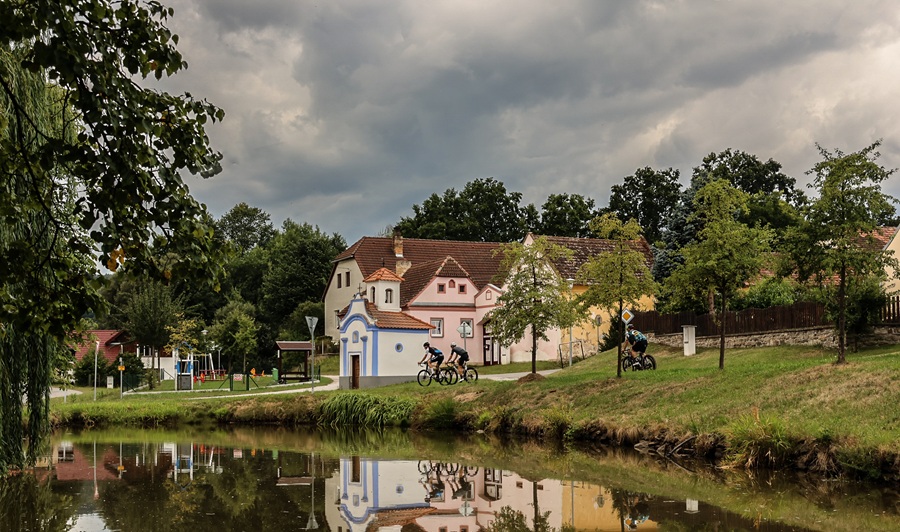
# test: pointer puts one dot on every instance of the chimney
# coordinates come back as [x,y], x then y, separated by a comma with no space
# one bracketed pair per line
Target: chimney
[402,267]
[398,245]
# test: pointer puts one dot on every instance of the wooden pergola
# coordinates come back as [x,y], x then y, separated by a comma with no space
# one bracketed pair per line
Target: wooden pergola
[286,346]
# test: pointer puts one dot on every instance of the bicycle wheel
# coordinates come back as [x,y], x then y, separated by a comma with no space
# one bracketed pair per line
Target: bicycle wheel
[649,362]
[449,376]
[424,377]
[626,364]
[471,375]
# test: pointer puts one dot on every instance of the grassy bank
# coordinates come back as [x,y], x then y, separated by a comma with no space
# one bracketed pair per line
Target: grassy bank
[771,407]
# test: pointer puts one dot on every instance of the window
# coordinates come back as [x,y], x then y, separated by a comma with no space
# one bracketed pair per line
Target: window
[438,331]
[452,284]
[339,280]
[337,320]
[462,289]
[441,288]
[348,279]
[355,469]
[388,296]
[372,299]
[487,295]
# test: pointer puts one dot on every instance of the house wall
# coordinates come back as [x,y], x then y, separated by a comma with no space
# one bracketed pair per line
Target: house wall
[387,356]
[338,298]
[452,307]
[893,284]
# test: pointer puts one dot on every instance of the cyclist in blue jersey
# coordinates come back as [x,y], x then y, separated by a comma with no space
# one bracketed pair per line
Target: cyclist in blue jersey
[636,338]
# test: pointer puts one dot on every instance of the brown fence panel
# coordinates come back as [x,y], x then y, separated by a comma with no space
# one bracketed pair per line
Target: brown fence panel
[890,313]
[796,316]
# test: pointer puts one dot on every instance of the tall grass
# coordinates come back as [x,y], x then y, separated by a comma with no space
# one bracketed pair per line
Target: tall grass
[361,409]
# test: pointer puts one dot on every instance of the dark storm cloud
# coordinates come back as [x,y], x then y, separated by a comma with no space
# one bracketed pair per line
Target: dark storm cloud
[345,114]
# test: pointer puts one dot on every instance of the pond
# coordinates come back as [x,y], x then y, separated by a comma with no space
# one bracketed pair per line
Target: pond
[274,479]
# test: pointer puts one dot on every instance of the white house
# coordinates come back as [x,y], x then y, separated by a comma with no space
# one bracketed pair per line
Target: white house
[379,344]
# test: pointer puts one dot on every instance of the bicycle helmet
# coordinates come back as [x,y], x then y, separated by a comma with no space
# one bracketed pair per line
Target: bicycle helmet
[453,344]
[426,344]
[630,326]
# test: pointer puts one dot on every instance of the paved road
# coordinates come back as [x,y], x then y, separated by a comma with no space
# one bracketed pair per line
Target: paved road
[333,385]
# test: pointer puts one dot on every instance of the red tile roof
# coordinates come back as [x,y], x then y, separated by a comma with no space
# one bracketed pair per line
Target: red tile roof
[385,319]
[110,347]
[476,258]
[585,248]
[383,274]
[419,275]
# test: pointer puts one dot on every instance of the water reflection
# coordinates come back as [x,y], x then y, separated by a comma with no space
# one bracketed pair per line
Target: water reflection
[263,480]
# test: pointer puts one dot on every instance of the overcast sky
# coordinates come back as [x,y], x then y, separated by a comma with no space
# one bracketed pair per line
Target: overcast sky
[345,113]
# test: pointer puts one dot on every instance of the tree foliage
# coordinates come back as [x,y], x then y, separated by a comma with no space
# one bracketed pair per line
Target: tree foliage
[299,265]
[90,160]
[535,297]
[566,215]
[246,227]
[483,211]
[837,238]
[235,332]
[647,196]
[726,254]
[619,278]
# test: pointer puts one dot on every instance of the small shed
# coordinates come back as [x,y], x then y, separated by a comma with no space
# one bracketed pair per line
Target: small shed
[294,360]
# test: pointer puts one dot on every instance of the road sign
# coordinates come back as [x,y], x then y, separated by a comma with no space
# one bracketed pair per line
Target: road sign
[121,368]
[311,322]
[466,509]
[465,329]
[627,316]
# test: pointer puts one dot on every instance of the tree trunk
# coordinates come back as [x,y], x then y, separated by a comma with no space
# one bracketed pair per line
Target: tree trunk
[722,334]
[533,350]
[619,344]
[842,314]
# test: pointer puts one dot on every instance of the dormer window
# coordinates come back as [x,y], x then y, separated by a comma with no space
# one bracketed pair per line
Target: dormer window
[388,296]
[462,289]
[441,288]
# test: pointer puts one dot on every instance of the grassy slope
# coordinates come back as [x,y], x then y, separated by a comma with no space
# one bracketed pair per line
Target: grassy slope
[774,397]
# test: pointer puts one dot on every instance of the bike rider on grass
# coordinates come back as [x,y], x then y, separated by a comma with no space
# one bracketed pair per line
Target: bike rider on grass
[637,340]
[458,355]
[437,357]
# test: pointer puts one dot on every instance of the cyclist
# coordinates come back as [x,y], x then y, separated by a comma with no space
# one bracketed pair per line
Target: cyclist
[458,355]
[437,356]
[637,340]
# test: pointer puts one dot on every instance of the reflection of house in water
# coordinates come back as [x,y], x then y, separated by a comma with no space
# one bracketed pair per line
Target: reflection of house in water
[370,495]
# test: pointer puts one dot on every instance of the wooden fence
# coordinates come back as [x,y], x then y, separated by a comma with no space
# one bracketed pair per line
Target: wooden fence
[890,314]
[796,316]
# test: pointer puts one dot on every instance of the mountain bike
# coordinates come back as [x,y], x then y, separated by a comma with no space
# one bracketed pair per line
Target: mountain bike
[637,363]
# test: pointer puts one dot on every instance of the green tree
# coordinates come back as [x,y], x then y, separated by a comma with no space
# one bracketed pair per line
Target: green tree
[246,227]
[725,256]
[235,331]
[618,278]
[483,211]
[837,238]
[299,266]
[296,328]
[566,215]
[647,196]
[90,160]
[150,314]
[535,296]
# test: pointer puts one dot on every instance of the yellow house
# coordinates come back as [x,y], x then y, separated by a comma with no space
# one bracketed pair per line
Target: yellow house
[588,336]
[889,235]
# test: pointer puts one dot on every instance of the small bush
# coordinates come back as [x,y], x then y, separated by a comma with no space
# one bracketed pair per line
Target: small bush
[756,442]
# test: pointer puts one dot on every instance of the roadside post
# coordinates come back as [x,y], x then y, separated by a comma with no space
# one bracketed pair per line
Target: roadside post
[121,380]
[311,322]
[464,330]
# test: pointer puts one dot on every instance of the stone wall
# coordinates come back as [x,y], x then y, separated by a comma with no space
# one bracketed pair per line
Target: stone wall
[818,336]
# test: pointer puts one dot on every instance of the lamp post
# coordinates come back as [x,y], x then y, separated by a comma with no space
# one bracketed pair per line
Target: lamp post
[96,352]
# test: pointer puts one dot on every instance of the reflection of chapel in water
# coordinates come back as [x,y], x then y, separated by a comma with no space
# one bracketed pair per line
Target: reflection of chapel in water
[371,495]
